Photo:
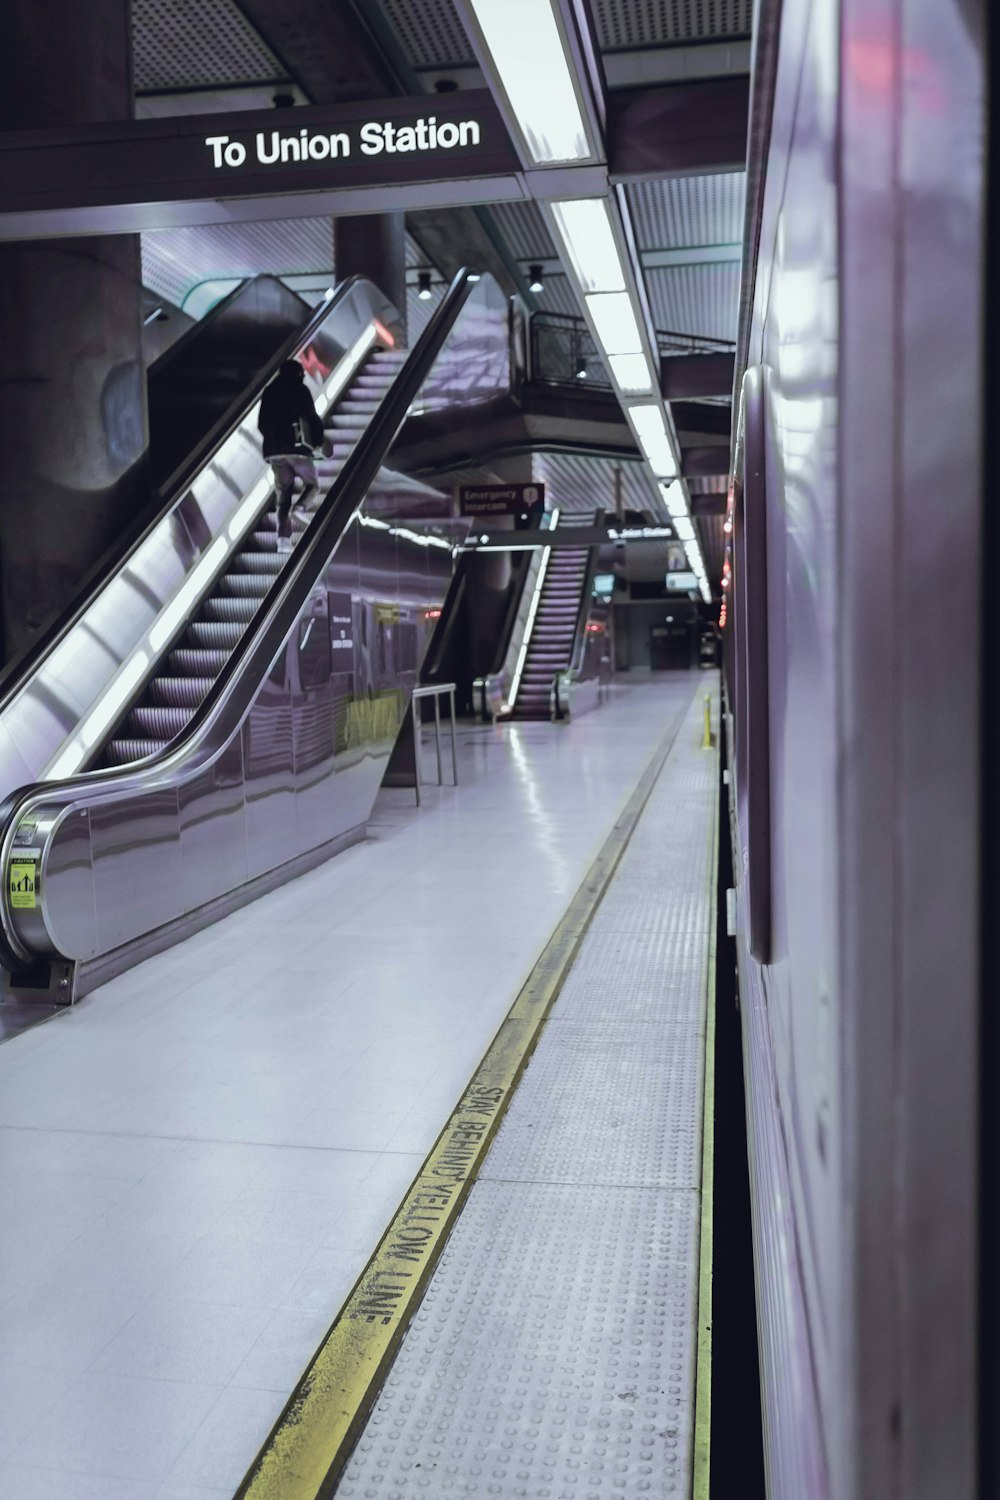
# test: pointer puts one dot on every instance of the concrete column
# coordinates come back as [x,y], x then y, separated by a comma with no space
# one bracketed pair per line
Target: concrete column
[374,245]
[73,430]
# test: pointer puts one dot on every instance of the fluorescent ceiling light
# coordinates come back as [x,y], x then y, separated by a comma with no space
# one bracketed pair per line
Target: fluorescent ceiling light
[527,52]
[673,494]
[631,373]
[684,527]
[653,440]
[615,322]
[589,242]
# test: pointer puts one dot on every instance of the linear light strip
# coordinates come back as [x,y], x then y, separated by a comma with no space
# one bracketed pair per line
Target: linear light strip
[523,46]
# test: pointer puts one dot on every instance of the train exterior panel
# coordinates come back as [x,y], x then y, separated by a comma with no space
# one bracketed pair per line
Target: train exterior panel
[858,965]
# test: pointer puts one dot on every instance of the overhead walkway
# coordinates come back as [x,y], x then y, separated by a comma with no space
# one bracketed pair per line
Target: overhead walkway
[214,716]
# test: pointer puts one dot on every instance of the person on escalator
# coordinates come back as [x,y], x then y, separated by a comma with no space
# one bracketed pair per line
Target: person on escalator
[290,430]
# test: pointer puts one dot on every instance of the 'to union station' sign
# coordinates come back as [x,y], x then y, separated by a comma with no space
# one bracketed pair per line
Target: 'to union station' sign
[270,147]
[50,176]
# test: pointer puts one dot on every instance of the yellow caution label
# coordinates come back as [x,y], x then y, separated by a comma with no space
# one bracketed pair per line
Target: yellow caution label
[23,885]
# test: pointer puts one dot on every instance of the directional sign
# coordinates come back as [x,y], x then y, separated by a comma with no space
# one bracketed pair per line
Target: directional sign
[313,149]
[500,499]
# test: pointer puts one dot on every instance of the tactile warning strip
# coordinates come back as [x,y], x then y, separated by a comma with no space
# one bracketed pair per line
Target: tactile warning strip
[553,1355]
[583,1114]
[535,1376]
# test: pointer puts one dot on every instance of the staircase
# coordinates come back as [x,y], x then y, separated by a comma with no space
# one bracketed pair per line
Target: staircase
[186,675]
[551,642]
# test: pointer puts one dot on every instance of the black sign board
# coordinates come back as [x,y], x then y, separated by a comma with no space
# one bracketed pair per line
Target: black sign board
[218,156]
[500,499]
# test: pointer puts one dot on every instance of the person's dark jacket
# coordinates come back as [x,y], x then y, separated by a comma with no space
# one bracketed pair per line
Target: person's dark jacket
[285,404]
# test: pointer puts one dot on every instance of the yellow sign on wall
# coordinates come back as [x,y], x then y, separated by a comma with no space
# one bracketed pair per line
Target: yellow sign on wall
[23,885]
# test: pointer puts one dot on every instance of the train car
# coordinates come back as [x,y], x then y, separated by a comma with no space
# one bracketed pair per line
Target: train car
[854,670]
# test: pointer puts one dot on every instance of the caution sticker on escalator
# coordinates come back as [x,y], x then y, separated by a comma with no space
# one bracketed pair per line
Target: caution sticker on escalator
[23,886]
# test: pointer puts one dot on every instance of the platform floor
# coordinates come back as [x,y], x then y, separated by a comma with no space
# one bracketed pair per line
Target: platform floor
[197,1161]
[553,1353]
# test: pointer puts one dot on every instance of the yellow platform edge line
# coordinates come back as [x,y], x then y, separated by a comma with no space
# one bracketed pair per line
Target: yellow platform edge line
[309,1445]
[702,1467]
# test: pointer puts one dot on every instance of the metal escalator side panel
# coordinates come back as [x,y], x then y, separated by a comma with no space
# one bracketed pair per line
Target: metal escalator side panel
[81,659]
[246,788]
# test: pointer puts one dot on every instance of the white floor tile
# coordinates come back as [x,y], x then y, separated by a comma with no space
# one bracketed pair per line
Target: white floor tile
[207,1150]
[120,1427]
[192,1341]
[225,1445]
[19,1482]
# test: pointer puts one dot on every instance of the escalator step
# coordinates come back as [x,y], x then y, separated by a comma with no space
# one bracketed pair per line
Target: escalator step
[247,585]
[228,610]
[123,751]
[164,723]
[187,660]
[216,634]
[178,692]
[257,562]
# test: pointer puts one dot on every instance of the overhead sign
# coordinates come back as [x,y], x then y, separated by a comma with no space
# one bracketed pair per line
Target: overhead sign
[301,150]
[500,499]
[681,583]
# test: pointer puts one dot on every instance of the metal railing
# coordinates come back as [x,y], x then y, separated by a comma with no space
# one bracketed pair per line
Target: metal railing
[561,351]
[436,691]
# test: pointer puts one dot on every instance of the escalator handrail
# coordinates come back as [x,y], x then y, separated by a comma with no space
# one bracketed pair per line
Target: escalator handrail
[12,678]
[221,713]
[198,325]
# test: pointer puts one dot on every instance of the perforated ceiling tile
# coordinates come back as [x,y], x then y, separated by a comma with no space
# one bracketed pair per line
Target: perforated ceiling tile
[679,211]
[185,44]
[621,24]
[696,299]
[430,32]
[552,1356]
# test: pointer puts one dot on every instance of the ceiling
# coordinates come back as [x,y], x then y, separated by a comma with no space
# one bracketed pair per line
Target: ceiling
[688,229]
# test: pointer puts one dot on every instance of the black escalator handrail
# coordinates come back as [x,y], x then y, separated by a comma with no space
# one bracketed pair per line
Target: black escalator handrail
[583,608]
[223,710]
[198,325]
[117,555]
[203,453]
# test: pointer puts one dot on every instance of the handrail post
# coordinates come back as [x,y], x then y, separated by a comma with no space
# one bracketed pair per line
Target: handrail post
[415,709]
[437,732]
[454,752]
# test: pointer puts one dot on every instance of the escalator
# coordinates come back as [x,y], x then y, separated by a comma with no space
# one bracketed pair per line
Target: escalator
[190,670]
[553,630]
[217,715]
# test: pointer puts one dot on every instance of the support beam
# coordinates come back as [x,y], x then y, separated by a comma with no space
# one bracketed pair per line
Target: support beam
[688,377]
[678,130]
[701,421]
[709,505]
[705,463]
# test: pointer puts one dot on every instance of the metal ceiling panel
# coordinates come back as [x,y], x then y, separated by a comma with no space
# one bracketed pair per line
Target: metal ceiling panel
[430,32]
[625,24]
[185,44]
[524,229]
[685,211]
[578,483]
[558,295]
[175,260]
[695,299]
